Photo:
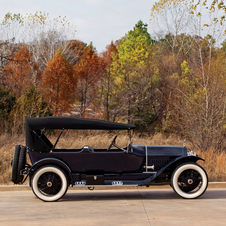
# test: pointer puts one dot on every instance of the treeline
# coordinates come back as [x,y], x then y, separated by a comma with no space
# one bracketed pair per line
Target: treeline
[173,83]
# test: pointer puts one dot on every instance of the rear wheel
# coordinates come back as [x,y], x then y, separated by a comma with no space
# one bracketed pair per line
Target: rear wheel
[49,183]
[189,180]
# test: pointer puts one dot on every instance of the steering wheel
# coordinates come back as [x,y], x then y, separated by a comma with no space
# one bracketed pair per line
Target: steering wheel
[112,143]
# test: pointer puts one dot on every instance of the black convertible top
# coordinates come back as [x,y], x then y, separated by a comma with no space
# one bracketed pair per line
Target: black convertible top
[54,122]
[35,129]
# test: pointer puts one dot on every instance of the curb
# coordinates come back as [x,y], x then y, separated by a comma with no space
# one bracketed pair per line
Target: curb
[27,187]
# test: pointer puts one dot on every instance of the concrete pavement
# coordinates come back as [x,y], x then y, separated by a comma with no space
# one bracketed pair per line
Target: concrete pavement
[140,207]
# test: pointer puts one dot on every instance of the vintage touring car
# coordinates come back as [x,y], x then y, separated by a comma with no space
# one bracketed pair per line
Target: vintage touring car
[53,170]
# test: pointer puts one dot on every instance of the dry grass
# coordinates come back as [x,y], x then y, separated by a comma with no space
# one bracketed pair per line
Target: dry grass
[7,145]
[215,163]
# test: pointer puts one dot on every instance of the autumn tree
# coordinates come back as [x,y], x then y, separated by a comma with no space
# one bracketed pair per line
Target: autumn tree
[42,34]
[30,104]
[18,74]
[74,50]
[7,50]
[192,92]
[135,77]
[182,24]
[197,17]
[58,84]
[88,71]
[190,69]
[10,27]
[210,16]
[7,103]
[198,105]
[107,79]
[46,35]
[171,17]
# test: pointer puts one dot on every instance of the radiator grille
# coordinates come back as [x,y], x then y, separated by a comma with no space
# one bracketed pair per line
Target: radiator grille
[158,163]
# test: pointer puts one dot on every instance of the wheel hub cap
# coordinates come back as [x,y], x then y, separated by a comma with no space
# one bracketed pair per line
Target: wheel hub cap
[190,181]
[49,184]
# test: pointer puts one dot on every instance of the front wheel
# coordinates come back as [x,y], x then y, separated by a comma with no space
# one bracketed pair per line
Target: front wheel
[189,180]
[49,183]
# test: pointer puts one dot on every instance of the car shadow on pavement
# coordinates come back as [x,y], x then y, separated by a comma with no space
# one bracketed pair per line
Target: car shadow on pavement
[136,195]
[214,194]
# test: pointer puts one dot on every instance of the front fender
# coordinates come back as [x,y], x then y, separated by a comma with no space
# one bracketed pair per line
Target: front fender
[171,166]
[55,162]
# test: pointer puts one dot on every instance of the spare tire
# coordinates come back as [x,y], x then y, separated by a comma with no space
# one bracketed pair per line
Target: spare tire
[15,164]
[21,164]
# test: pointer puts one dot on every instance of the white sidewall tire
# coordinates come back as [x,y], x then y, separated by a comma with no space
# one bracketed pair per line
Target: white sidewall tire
[36,176]
[176,175]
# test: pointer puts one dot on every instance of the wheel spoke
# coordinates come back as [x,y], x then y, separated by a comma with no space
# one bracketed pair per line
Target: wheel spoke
[189,181]
[182,179]
[49,177]
[53,176]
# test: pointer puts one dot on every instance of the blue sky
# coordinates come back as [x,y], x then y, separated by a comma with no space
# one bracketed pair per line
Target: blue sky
[99,21]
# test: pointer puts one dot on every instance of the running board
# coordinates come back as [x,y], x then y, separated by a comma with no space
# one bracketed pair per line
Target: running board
[103,186]
[114,183]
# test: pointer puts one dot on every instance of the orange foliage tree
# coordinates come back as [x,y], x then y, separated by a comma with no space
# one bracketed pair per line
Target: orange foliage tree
[21,72]
[107,78]
[58,84]
[74,50]
[88,70]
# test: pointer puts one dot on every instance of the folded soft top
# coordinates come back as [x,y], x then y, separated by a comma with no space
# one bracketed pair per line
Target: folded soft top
[54,122]
[35,129]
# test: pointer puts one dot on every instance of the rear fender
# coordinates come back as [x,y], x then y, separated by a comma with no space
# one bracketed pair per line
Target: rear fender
[53,162]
